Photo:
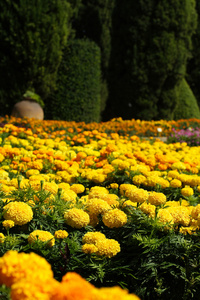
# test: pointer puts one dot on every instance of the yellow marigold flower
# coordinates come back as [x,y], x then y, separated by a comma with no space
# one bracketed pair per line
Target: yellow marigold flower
[165,217]
[97,177]
[175,183]
[120,164]
[8,224]
[94,220]
[151,181]
[107,247]
[89,248]
[139,179]
[15,266]
[97,206]
[157,198]
[195,212]
[129,202]
[41,235]
[111,199]
[162,182]
[180,214]
[126,187]
[137,195]
[76,218]
[187,230]
[173,174]
[92,237]
[187,191]
[2,238]
[4,174]
[148,209]
[68,195]
[113,293]
[64,185]
[37,164]
[19,212]
[114,186]
[97,191]
[32,172]
[114,218]
[61,234]
[178,165]
[78,188]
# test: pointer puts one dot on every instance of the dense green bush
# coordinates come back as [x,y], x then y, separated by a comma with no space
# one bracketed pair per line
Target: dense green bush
[187,107]
[94,21]
[193,70]
[77,96]
[32,35]
[151,42]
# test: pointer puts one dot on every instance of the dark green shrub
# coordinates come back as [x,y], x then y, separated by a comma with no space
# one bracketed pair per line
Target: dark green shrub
[77,97]
[151,42]
[193,70]
[32,35]
[94,21]
[187,107]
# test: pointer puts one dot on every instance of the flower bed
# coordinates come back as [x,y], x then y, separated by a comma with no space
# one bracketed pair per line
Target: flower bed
[96,201]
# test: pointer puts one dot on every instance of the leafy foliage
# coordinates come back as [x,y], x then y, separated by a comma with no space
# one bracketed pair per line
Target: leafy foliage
[77,97]
[150,48]
[33,34]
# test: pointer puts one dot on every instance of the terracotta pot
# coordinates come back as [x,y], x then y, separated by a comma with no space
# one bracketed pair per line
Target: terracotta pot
[28,109]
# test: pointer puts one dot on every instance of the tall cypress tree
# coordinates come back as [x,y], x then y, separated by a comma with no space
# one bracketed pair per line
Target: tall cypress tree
[151,42]
[32,35]
[193,69]
[94,21]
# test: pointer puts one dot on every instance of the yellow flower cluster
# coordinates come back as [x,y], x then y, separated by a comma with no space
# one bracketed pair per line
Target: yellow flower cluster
[96,243]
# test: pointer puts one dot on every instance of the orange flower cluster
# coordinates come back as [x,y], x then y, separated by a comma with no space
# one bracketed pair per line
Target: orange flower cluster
[30,277]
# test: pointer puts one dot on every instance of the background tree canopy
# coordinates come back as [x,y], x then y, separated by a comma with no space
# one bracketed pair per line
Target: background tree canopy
[148,56]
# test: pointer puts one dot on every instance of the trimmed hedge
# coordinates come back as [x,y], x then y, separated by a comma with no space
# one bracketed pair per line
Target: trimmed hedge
[187,107]
[32,35]
[77,96]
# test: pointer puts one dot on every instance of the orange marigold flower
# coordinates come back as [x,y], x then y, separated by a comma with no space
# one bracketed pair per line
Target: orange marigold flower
[73,287]
[15,266]
[113,293]
[33,289]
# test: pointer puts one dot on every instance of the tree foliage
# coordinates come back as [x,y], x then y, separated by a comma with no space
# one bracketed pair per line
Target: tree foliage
[32,35]
[77,96]
[94,21]
[151,43]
